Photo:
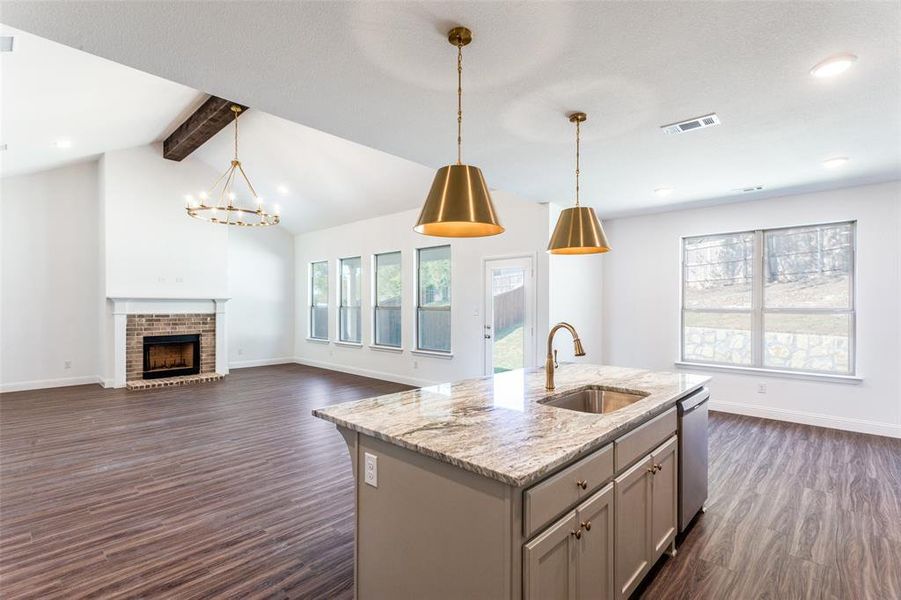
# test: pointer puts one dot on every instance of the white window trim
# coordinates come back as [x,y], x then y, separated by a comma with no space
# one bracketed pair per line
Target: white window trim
[374,301]
[310,305]
[757,312]
[339,304]
[425,351]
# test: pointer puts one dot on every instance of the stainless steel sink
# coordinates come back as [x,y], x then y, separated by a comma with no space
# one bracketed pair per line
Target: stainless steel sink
[594,399]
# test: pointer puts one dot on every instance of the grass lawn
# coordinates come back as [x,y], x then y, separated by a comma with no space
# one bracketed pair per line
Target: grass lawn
[508,351]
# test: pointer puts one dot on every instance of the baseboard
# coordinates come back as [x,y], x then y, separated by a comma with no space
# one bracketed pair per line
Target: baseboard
[261,362]
[384,375]
[41,384]
[806,418]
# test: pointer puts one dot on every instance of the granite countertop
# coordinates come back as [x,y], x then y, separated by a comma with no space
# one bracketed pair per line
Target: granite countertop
[494,426]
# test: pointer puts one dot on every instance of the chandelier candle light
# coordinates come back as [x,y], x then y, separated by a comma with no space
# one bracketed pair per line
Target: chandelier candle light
[578,229]
[459,204]
[226,208]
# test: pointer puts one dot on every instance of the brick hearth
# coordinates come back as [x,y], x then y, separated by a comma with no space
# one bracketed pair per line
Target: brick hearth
[140,325]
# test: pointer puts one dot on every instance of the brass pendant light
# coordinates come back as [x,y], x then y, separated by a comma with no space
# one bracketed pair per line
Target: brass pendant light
[578,229]
[459,204]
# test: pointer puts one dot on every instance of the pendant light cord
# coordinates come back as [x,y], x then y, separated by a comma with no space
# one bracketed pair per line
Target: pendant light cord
[459,100]
[578,138]
[237,114]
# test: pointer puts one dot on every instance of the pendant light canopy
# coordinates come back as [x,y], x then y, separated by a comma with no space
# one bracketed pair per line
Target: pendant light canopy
[459,203]
[578,229]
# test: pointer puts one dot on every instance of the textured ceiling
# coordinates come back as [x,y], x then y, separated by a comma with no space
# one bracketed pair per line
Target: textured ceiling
[382,75]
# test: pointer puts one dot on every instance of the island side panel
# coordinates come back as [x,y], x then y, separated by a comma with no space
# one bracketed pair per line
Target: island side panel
[351,438]
[431,530]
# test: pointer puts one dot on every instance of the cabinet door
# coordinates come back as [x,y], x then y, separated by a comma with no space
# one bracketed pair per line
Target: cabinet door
[632,509]
[549,562]
[664,501]
[594,550]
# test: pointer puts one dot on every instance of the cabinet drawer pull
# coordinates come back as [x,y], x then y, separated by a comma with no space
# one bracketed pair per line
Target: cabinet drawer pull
[582,483]
[587,525]
[577,533]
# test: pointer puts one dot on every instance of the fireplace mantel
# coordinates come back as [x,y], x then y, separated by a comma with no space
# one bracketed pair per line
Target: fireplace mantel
[123,306]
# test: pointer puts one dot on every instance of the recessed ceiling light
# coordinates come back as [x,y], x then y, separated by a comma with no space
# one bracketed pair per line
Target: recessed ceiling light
[7,42]
[663,192]
[63,144]
[833,163]
[833,65]
[282,190]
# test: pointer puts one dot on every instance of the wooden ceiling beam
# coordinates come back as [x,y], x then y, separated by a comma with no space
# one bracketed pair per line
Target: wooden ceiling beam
[213,115]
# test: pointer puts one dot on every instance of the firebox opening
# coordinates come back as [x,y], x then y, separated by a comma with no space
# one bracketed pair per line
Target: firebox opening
[171,355]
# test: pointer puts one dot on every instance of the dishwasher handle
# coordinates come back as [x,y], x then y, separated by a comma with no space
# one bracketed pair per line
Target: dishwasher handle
[695,407]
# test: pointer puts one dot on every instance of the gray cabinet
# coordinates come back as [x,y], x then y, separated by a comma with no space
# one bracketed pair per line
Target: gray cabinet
[594,550]
[632,504]
[573,558]
[645,507]
[549,562]
[664,503]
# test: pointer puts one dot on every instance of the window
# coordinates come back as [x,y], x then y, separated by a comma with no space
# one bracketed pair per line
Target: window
[433,302]
[319,300]
[775,299]
[349,328]
[386,317]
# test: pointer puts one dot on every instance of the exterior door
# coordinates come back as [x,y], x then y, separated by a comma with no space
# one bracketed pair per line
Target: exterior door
[594,572]
[508,327]
[665,499]
[549,563]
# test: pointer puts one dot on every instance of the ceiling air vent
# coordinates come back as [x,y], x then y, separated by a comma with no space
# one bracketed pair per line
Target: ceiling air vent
[691,124]
[6,43]
[746,190]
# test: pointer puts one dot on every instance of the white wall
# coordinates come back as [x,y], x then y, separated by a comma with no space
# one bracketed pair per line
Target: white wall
[49,285]
[526,233]
[261,287]
[641,304]
[152,248]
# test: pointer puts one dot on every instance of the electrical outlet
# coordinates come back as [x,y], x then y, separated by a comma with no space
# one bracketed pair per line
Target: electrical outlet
[761,388]
[68,364]
[179,280]
[371,466]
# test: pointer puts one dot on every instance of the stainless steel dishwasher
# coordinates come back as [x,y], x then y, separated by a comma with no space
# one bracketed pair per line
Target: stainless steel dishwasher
[692,456]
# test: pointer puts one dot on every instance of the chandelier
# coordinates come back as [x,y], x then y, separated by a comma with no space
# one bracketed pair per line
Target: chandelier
[222,203]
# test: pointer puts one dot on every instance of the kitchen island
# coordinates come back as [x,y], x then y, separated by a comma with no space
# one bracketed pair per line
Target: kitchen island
[483,489]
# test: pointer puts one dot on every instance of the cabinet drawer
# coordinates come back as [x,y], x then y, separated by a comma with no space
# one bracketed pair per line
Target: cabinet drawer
[641,440]
[558,493]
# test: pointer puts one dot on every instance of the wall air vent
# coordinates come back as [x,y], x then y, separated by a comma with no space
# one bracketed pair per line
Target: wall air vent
[746,190]
[6,43]
[691,124]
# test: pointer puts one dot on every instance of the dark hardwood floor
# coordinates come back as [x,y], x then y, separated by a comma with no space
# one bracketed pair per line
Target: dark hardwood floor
[233,490]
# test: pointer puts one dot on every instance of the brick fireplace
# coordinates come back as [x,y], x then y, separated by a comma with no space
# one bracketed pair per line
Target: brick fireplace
[162,342]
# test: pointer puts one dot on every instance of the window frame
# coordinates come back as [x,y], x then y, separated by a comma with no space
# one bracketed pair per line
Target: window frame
[375,301]
[312,305]
[340,303]
[417,307]
[758,309]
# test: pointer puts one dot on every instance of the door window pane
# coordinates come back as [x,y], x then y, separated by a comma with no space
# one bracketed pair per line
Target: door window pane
[349,317]
[508,296]
[319,300]
[433,319]
[388,293]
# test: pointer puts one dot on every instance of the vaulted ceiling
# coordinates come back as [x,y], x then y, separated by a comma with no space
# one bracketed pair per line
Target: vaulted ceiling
[382,75]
